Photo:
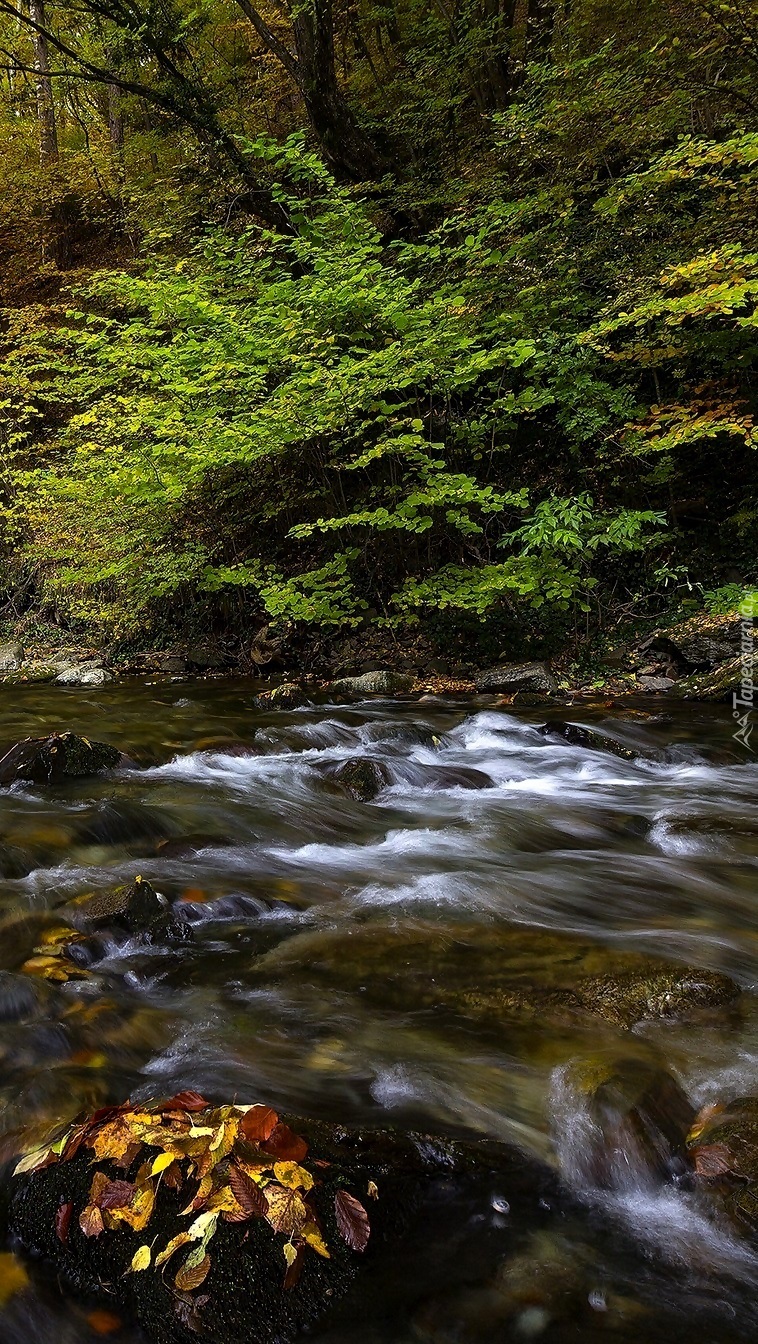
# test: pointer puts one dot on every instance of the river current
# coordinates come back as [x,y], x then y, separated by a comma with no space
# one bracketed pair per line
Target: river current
[655,850]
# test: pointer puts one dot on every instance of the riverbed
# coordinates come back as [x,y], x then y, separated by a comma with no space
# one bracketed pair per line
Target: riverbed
[486,823]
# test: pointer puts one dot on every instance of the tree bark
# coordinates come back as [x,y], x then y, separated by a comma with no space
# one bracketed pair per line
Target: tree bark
[48,134]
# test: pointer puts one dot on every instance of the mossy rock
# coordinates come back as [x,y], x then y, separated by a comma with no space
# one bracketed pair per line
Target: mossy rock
[362,779]
[137,909]
[50,760]
[243,1299]
[717,686]
[287,696]
[501,974]
[723,1145]
[374,683]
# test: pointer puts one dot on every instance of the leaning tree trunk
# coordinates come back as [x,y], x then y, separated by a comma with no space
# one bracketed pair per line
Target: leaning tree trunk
[48,134]
[346,145]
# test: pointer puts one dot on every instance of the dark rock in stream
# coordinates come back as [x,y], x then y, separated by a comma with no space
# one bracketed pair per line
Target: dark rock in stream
[50,760]
[15,862]
[122,823]
[349,1200]
[578,736]
[380,682]
[363,779]
[137,909]
[498,974]
[639,1118]
[287,696]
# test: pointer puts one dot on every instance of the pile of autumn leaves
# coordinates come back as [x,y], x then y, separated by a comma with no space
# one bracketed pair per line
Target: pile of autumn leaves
[238,1162]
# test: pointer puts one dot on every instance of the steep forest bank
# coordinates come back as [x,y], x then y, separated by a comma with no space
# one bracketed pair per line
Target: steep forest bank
[340,335]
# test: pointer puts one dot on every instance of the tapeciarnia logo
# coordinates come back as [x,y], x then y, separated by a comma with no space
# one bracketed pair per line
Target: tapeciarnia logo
[743,700]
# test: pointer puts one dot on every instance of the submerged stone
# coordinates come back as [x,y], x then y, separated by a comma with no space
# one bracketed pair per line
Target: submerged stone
[49,760]
[578,736]
[501,974]
[639,1117]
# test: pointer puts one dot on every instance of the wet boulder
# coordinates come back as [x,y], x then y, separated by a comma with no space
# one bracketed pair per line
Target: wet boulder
[137,909]
[51,760]
[287,696]
[578,736]
[363,778]
[231,1223]
[381,682]
[14,861]
[723,1147]
[509,678]
[628,1117]
[500,974]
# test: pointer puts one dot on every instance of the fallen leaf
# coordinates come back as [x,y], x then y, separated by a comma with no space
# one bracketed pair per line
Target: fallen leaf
[63,1221]
[283,1144]
[713,1159]
[181,1239]
[186,1101]
[311,1234]
[35,1160]
[162,1163]
[117,1195]
[701,1120]
[373,1190]
[352,1220]
[91,1221]
[189,1278]
[294,1257]
[286,1210]
[258,1123]
[248,1195]
[141,1259]
[293,1176]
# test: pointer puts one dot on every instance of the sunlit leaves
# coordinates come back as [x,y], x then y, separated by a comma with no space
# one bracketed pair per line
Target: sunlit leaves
[141,1259]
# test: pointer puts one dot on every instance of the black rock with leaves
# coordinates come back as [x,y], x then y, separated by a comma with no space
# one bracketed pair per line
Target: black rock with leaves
[225,1221]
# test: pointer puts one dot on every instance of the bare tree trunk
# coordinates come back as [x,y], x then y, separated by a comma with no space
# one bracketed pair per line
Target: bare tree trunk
[48,134]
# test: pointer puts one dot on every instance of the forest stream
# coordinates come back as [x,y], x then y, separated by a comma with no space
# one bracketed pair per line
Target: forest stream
[307,911]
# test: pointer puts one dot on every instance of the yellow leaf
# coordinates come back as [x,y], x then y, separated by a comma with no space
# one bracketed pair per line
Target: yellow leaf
[292,1176]
[198,1229]
[141,1259]
[373,1190]
[32,1161]
[161,1163]
[312,1235]
[286,1210]
[290,1254]
[182,1239]
[13,1277]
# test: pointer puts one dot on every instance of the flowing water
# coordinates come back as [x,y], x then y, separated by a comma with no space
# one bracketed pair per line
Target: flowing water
[658,853]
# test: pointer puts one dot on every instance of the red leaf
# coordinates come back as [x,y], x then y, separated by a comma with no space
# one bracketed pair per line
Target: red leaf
[63,1221]
[91,1221]
[258,1123]
[712,1160]
[352,1220]
[117,1195]
[248,1195]
[186,1101]
[283,1144]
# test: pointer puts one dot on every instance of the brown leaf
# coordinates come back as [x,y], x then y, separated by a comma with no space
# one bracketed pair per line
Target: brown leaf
[104,1322]
[63,1221]
[172,1177]
[190,1277]
[352,1220]
[117,1195]
[283,1144]
[713,1159]
[91,1221]
[295,1269]
[186,1101]
[130,1155]
[248,1195]
[258,1123]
